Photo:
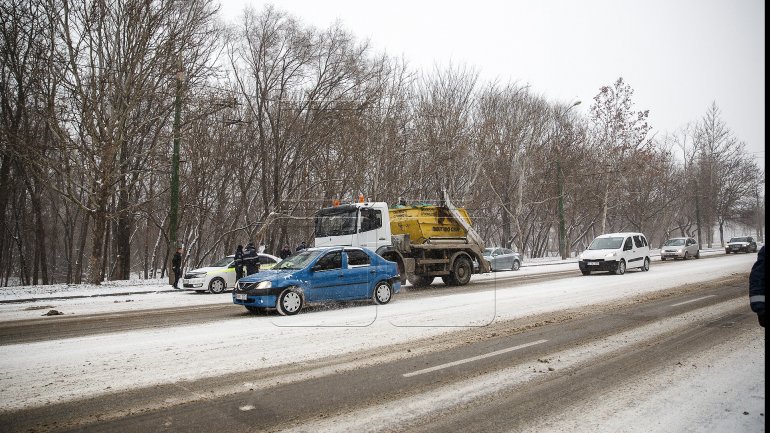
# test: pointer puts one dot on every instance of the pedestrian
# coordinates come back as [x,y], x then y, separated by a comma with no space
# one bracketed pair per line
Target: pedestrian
[250,259]
[261,248]
[285,252]
[301,246]
[757,287]
[176,266]
[238,262]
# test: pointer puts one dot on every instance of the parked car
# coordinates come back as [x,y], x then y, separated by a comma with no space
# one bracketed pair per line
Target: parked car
[745,244]
[318,275]
[616,252]
[502,258]
[220,276]
[680,248]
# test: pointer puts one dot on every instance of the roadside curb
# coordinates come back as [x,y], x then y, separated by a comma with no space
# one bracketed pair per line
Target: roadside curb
[59,298]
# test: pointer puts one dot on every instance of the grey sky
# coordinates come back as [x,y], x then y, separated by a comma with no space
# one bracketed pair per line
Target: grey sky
[677,55]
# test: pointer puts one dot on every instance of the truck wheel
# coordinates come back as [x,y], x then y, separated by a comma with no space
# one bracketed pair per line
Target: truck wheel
[420,281]
[462,270]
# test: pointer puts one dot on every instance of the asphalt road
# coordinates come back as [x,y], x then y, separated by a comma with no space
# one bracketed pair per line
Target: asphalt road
[48,328]
[427,366]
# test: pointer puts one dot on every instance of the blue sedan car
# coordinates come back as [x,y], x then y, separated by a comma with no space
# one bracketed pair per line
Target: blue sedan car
[318,275]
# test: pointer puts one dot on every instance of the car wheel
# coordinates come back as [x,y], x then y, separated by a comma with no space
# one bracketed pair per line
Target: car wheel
[516,265]
[697,254]
[382,293]
[646,265]
[289,303]
[420,281]
[687,255]
[217,285]
[586,272]
[621,269]
[462,270]
[200,291]
[662,259]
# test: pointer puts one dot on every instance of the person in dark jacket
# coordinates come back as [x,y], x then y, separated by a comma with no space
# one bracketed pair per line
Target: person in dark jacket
[285,252]
[176,266]
[301,246]
[238,262]
[250,259]
[757,287]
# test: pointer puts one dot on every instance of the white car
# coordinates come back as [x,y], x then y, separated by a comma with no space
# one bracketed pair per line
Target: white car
[680,248]
[616,252]
[220,276]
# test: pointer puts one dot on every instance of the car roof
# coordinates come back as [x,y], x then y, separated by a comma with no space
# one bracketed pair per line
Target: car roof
[612,235]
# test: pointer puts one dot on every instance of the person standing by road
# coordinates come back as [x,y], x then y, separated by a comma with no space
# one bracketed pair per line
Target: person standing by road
[757,287]
[238,262]
[176,266]
[301,246]
[285,252]
[251,259]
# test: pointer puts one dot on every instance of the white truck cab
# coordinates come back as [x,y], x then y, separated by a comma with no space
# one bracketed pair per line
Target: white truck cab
[365,225]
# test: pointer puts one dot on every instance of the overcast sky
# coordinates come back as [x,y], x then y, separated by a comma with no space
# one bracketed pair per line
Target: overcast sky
[679,56]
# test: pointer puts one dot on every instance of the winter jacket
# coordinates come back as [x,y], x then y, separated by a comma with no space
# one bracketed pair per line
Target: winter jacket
[286,252]
[250,259]
[757,284]
[176,261]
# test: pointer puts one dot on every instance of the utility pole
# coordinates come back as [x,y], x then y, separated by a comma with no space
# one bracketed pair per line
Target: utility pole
[174,211]
[560,189]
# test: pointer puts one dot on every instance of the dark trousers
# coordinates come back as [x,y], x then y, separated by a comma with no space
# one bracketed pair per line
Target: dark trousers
[177,276]
[238,272]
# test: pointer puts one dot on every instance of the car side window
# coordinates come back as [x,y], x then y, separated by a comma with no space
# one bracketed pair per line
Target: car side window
[638,242]
[644,241]
[507,251]
[265,260]
[627,246]
[330,261]
[357,258]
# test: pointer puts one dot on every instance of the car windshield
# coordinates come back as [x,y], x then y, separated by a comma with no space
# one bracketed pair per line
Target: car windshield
[487,251]
[739,239]
[297,261]
[223,262]
[674,242]
[606,244]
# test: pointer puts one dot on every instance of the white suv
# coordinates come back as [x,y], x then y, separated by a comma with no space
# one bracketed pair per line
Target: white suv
[616,252]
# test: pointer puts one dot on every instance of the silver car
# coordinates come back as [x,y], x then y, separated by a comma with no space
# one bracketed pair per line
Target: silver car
[680,248]
[502,259]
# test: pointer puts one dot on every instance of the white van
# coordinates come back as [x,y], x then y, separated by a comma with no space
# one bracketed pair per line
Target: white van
[616,252]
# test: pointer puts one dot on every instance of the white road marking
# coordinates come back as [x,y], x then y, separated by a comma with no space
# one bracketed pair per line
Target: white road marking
[475,358]
[692,300]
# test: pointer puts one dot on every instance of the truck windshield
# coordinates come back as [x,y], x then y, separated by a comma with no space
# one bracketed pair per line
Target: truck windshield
[336,221]
[606,244]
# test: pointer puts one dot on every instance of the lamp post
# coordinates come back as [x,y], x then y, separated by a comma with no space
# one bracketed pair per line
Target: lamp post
[560,189]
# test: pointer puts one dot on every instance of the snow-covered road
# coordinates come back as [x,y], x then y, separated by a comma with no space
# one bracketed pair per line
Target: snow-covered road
[38,373]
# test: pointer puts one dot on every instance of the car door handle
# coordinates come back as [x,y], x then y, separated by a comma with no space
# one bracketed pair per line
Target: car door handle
[372,271]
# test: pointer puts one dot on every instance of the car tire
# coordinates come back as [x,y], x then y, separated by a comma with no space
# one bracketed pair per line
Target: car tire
[621,269]
[697,254]
[421,281]
[382,293]
[461,271]
[200,291]
[687,255]
[289,303]
[663,259]
[585,272]
[217,286]
[516,265]
[646,264]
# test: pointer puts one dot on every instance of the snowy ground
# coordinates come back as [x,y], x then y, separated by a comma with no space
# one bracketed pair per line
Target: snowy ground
[37,373]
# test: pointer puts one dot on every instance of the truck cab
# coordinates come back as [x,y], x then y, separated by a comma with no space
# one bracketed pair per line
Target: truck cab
[365,225]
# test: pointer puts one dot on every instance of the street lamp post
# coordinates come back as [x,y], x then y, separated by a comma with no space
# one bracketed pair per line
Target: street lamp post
[560,190]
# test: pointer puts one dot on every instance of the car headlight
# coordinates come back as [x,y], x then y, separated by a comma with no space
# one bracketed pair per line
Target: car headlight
[610,255]
[679,250]
[264,285]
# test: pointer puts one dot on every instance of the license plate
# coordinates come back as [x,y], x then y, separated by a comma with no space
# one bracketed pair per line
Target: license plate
[241,297]
[593,263]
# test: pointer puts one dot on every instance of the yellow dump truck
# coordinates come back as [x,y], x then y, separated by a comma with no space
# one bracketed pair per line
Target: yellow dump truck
[425,241]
